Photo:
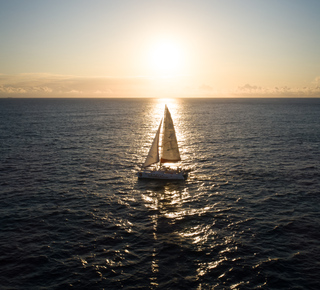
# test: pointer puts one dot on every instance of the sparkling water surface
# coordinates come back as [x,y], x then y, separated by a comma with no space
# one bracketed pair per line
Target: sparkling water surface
[74,215]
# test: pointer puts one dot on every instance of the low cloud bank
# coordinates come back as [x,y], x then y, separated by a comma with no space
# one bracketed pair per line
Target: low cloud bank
[46,85]
[247,89]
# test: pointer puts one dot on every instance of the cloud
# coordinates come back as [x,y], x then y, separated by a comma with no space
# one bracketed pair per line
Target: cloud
[317,80]
[253,91]
[283,91]
[205,87]
[249,88]
[47,85]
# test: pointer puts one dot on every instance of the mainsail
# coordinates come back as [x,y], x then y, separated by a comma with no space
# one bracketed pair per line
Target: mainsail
[153,155]
[169,147]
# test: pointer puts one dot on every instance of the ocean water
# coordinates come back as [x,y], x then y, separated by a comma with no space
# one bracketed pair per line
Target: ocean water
[73,214]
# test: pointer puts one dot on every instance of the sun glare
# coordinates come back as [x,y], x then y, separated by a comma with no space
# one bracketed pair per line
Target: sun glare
[167,58]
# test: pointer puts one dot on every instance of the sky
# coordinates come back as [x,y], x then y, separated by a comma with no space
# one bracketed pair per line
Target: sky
[151,48]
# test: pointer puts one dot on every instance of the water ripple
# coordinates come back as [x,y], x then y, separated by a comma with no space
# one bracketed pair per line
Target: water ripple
[74,215]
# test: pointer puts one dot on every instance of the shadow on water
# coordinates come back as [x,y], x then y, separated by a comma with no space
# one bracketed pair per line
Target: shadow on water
[172,257]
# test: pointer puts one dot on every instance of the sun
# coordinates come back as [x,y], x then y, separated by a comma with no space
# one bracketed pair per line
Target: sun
[167,58]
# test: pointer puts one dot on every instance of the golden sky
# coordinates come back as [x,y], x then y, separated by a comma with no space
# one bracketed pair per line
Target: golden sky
[132,48]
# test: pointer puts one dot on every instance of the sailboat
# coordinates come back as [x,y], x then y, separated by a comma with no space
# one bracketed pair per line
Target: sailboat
[169,154]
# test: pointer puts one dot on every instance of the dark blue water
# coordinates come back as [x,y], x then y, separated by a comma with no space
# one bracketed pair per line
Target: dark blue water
[73,215]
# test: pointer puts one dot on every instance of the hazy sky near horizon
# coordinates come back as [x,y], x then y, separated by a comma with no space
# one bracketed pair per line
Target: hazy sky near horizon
[159,48]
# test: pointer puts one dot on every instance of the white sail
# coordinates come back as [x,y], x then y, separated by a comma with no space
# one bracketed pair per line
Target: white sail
[169,149]
[153,155]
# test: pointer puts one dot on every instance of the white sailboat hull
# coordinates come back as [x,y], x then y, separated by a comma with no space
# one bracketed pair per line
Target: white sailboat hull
[161,174]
